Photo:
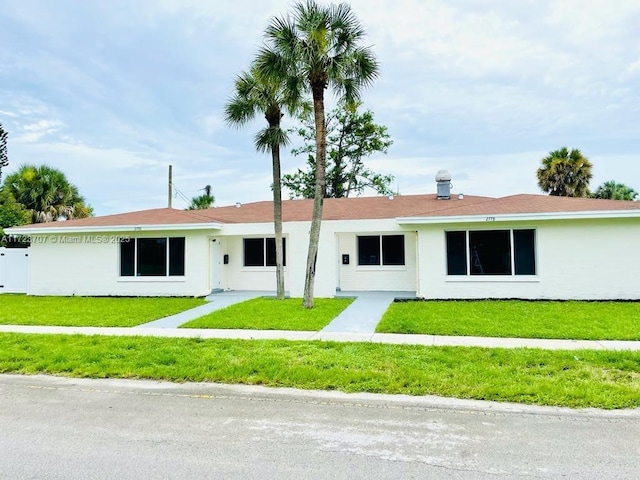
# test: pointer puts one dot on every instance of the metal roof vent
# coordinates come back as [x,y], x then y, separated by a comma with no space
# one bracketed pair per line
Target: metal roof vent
[443,178]
[238,204]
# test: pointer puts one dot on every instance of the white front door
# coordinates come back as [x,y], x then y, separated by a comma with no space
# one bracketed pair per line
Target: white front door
[215,264]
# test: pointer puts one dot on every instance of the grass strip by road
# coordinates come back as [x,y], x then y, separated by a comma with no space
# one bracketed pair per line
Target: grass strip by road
[516,318]
[599,379]
[273,314]
[89,311]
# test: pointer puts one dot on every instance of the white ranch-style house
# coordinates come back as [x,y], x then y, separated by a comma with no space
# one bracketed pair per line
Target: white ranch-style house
[439,246]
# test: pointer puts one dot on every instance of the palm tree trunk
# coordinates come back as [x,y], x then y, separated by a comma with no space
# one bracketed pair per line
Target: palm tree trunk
[277,220]
[316,220]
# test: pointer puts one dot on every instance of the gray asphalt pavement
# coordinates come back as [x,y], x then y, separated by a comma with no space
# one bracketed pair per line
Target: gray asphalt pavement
[55,428]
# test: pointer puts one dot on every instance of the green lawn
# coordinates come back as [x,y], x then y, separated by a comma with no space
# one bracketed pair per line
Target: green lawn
[89,311]
[515,318]
[272,314]
[562,378]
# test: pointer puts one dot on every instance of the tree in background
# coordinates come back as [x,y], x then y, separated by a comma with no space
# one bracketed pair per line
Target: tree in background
[320,46]
[565,173]
[256,94]
[46,194]
[202,202]
[11,214]
[612,190]
[351,137]
[4,159]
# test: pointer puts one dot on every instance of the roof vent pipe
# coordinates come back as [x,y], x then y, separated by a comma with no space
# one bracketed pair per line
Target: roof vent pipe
[443,179]
[238,204]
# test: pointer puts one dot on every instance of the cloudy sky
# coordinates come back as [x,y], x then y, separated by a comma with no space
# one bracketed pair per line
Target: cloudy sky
[112,92]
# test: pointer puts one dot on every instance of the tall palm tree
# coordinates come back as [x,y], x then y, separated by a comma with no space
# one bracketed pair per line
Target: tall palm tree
[256,94]
[318,46]
[613,190]
[565,173]
[46,193]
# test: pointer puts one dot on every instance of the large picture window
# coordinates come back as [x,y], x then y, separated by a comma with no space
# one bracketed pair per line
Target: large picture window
[381,250]
[491,252]
[261,252]
[152,257]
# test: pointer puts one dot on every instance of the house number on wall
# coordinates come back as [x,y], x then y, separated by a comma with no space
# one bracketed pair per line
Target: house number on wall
[490,219]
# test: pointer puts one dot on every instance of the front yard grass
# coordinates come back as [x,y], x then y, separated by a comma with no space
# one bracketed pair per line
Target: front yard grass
[515,318]
[89,311]
[273,314]
[562,378]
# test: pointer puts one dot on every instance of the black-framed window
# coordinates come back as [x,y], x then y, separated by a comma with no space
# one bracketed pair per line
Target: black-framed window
[524,244]
[456,253]
[127,257]
[261,252]
[176,256]
[152,257]
[491,252]
[381,250]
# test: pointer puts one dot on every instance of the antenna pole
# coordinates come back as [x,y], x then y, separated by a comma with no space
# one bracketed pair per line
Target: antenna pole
[170,184]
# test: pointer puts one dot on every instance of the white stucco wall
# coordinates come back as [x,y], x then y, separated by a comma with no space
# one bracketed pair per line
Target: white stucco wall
[576,259]
[330,274]
[353,277]
[83,265]
[237,277]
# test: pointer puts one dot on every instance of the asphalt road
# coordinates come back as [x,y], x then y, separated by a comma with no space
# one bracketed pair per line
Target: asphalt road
[53,428]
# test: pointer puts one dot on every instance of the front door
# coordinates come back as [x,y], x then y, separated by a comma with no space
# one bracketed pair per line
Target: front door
[215,264]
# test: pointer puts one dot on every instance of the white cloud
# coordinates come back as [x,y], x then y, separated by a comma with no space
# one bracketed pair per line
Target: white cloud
[113,96]
[490,175]
[33,132]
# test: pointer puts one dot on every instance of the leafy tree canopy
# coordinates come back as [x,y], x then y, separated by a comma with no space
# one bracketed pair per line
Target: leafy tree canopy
[565,173]
[11,213]
[612,190]
[352,136]
[46,194]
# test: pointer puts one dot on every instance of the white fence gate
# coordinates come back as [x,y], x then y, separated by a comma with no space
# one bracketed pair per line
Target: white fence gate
[14,270]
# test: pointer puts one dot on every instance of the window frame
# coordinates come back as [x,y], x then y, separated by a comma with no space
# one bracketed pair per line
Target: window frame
[381,251]
[167,265]
[265,253]
[512,255]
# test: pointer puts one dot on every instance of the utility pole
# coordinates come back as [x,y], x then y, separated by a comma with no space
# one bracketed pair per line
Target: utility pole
[170,184]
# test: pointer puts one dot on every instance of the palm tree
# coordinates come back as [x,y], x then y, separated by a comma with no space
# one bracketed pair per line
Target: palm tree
[565,173]
[318,47]
[256,94]
[202,202]
[612,190]
[46,194]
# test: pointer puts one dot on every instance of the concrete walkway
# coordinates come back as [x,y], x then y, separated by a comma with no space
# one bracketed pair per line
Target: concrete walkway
[364,314]
[388,338]
[216,301]
[356,323]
